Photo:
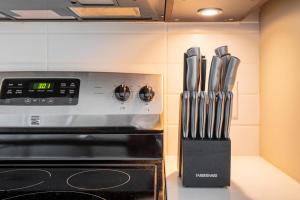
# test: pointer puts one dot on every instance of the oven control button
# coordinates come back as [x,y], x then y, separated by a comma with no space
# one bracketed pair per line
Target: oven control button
[50,101]
[63,84]
[122,92]
[27,100]
[9,92]
[10,84]
[146,93]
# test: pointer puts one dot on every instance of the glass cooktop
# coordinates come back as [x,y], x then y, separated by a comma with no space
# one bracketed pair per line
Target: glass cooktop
[66,183]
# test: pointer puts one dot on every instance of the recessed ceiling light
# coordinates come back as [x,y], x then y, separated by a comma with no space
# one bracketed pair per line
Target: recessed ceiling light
[210,11]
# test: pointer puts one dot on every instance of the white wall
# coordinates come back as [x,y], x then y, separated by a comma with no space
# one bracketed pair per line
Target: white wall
[145,48]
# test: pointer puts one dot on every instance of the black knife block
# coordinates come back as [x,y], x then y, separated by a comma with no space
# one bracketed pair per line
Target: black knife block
[205,163]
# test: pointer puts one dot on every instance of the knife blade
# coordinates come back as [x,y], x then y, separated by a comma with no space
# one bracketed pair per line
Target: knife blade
[185,115]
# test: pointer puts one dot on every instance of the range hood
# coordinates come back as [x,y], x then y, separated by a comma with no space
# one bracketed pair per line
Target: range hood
[82,10]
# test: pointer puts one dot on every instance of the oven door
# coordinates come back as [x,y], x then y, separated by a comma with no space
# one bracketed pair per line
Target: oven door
[78,182]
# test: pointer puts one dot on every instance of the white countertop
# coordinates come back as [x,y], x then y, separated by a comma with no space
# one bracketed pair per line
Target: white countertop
[252,178]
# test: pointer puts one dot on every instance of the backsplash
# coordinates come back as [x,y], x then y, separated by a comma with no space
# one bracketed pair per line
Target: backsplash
[143,48]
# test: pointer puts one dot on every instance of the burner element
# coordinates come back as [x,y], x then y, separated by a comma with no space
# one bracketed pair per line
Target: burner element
[100,179]
[19,179]
[56,195]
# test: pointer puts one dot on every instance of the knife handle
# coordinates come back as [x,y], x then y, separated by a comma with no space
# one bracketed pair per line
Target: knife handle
[202,113]
[194,114]
[219,114]
[192,78]
[227,114]
[185,115]
[211,114]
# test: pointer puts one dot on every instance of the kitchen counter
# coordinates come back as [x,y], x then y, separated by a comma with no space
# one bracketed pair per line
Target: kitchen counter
[252,178]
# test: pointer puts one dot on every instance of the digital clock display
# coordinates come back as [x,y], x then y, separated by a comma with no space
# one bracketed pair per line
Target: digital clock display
[42,86]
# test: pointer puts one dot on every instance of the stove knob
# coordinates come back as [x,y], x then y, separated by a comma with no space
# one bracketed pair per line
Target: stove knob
[146,93]
[122,92]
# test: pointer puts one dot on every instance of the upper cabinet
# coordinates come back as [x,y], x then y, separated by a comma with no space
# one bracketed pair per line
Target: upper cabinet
[128,10]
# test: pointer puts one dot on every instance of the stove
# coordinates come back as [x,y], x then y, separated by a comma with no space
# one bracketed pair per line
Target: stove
[81,136]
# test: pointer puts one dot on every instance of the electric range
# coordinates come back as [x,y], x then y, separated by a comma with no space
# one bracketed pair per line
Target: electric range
[81,136]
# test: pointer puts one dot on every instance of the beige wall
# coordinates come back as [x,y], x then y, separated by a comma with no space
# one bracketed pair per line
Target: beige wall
[145,48]
[279,83]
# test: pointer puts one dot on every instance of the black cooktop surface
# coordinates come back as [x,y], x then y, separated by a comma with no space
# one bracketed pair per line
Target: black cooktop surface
[75,183]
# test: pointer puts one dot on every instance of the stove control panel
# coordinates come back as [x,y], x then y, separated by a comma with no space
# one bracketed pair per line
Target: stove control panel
[39,91]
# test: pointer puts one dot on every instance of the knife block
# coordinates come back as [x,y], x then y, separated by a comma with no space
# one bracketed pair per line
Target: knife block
[205,163]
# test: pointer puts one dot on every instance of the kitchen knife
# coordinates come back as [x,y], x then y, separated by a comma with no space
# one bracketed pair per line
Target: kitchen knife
[194,114]
[219,114]
[213,87]
[228,113]
[193,73]
[220,51]
[185,115]
[228,86]
[231,73]
[202,114]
